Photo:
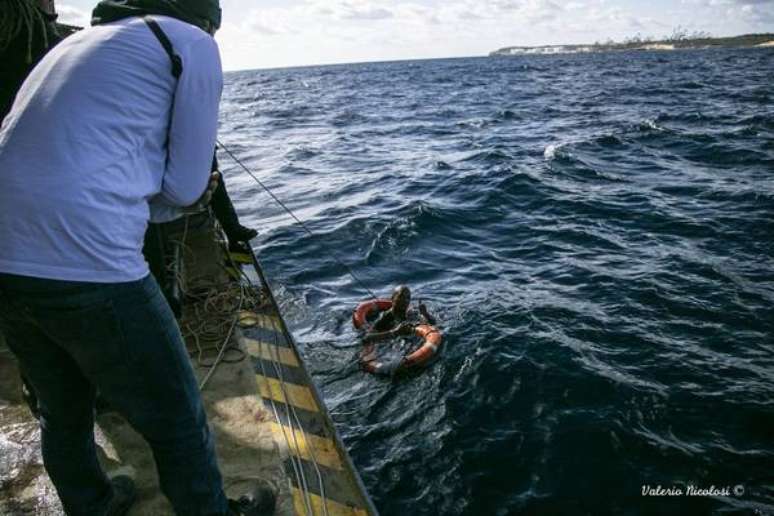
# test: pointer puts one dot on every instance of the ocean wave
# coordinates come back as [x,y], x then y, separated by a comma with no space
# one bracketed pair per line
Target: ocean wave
[347,118]
[302,153]
[651,124]
[488,156]
[549,153]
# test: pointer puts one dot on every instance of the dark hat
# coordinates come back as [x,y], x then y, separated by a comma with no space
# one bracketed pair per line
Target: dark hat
[196,12]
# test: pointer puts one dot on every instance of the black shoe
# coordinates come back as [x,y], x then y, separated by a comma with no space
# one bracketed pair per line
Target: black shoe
[261,502]
[240,233]
[124,495]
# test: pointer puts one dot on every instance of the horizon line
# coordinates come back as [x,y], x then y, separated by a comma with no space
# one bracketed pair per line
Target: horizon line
[411,59]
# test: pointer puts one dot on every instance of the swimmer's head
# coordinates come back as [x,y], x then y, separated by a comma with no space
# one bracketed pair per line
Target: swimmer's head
[401,298]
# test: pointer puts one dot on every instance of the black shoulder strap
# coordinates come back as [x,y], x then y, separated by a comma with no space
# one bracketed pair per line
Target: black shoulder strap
[177,63]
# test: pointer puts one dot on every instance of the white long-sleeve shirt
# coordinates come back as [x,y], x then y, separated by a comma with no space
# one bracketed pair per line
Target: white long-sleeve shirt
[84,152]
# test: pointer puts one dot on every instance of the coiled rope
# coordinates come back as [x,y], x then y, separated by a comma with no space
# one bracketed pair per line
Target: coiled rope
[214,310]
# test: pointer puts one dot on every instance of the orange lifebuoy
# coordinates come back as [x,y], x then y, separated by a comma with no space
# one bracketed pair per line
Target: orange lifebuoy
[421,356]
[364,309]
[429,347]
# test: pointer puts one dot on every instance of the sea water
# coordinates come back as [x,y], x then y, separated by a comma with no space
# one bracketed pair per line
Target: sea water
[595,234]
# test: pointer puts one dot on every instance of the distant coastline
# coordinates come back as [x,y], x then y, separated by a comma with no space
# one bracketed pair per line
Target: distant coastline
[678,41]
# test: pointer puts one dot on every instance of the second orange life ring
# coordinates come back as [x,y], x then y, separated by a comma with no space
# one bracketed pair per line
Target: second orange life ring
[419,357]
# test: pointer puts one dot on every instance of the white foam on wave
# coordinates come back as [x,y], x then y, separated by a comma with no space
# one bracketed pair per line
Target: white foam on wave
[650,123]
[550,152]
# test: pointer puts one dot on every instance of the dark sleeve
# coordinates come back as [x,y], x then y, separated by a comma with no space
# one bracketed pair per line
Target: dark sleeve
[214,161]
[16,67]
[384,323]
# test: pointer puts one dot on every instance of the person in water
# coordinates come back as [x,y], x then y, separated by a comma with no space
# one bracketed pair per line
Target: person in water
[399,319]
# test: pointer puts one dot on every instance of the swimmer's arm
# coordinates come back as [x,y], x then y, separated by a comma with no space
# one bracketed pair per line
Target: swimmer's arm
[378,335]
[383,323]
[425,315]
[403,329]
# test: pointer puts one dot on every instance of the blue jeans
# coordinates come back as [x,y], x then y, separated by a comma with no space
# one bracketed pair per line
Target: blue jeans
[72,339]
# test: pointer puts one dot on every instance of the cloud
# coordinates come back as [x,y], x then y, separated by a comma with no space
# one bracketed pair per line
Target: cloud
[260,28]
[366,10]
[377,13]
[72,15]
[269,23]
[725,3]
[757,15]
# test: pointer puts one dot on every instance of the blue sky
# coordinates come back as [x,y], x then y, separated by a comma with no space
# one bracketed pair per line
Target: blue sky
[274,33]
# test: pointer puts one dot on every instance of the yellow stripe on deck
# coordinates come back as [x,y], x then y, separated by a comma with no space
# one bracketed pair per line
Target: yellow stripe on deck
[271,353]
[334,508]
[249,319]
[298,395]
[268,322]
[241,258]
[324,450]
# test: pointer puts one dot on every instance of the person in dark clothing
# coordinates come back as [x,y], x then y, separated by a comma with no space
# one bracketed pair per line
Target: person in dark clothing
[27,32]
[398,319]
[224,211]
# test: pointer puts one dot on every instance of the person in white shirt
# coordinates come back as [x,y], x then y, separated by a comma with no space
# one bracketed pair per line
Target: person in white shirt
[100,134]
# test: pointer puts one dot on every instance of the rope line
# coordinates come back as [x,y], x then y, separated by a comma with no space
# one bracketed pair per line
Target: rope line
[293,215]
[292,410]
[297,457]
[294,461]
